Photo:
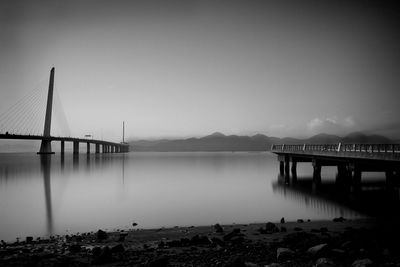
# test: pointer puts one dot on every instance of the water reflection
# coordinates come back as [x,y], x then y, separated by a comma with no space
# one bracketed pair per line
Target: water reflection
[63,194]
[371,198]
[45,163]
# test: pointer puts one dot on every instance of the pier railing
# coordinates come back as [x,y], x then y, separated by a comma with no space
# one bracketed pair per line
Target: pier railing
[361,148]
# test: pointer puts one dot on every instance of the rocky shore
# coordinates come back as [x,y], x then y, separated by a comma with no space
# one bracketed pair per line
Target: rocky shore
[339,242]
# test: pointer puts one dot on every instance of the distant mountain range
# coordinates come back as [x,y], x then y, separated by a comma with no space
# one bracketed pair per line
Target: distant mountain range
[259,142]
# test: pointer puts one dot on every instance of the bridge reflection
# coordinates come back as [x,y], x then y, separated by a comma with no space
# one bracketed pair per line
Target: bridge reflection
[45,164]
[373,198]
[17,167]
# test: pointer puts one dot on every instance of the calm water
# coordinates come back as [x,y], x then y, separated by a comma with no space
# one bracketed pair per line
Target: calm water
[41,197]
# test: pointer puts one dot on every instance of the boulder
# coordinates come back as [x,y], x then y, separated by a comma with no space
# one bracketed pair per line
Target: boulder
[271,228]
[217,241]
[122,236]
[283,220]
[284,254]
[200,240]
[317,250]
[339,219]
[117,249]
[324,262]
[101,235]
[159,262]
[362,263]
[300,220]
[218,228]
[234,232]
[75,248]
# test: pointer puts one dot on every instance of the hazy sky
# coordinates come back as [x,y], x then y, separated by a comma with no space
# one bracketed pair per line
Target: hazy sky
[189,68]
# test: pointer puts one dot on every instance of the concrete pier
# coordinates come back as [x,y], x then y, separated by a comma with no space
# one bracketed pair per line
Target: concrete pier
[87,148]
[97,148]
[75,147]
[351,160]
[62,147]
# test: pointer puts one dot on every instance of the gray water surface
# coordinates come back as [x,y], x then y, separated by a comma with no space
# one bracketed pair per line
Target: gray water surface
[48,196]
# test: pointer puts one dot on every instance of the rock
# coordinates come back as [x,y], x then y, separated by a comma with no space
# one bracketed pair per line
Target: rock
[104,257]
[339,219]
[339,253]
[117,249]
[29,239]
[159,262]
[317,250]
[283,220]
[218,228]
[283,229]
[237,239]
[271,228]
[300,220]
[174,243]
[250,264]
[101,235]
[298,229]
[362,263]
[96,251]
[323,229]
[122,236]
[200,240]
[217,241]
[274,264]
[284,254]
[236,262]
[75,248]
[347,245]
[134,224]
[229,236]
[185,242]
[324,262]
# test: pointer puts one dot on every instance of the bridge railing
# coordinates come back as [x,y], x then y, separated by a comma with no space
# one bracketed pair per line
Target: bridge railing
[360,148]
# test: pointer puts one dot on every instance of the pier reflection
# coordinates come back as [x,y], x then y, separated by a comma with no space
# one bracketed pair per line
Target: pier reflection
[45,163]
[372,198]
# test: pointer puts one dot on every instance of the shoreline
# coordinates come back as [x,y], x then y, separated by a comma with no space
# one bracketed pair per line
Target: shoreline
[337,242]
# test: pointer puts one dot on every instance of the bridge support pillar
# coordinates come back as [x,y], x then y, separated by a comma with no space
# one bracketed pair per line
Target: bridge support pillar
[62,147]
[87,148]
[317,172]
[294,170]
[343,175]
[76,147]
[45,147]
[287,165]
[97,149]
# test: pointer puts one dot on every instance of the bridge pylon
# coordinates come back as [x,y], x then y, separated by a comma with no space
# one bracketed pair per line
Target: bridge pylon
[45,147]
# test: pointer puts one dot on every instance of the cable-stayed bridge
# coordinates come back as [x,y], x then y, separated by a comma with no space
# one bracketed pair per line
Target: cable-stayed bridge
[20,122]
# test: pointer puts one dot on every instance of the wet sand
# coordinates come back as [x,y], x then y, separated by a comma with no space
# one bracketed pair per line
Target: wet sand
[340,242]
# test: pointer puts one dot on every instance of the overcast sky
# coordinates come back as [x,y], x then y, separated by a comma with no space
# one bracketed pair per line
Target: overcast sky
[190,68]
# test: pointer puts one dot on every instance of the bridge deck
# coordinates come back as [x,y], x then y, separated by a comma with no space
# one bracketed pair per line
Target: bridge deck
[376,152]
[58,138]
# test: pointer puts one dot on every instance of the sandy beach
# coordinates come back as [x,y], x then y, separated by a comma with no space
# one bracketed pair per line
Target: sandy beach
[339,242]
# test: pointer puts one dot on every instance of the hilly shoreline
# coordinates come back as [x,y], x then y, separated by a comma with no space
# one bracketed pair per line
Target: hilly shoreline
[259,142]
